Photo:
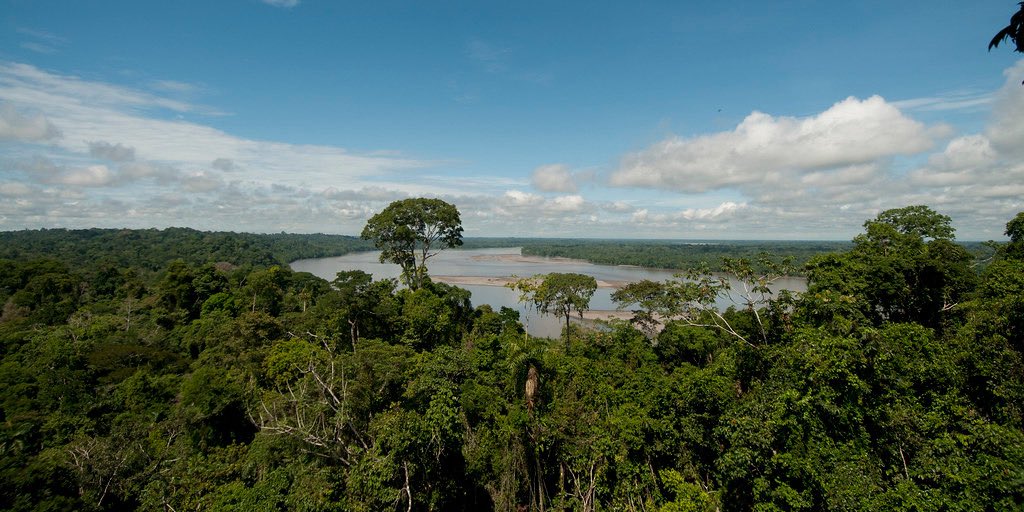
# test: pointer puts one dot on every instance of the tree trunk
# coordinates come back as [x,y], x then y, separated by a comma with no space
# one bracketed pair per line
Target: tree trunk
[567,332]
[354,332]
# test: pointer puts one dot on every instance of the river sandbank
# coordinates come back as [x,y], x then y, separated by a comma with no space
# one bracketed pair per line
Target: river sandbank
[505,281]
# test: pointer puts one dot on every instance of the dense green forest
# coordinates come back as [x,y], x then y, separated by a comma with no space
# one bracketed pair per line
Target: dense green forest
[196,371]
[687,254]
[152,249]
[680,254]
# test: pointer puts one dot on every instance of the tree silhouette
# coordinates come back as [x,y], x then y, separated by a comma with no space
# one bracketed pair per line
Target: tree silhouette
[1014,31]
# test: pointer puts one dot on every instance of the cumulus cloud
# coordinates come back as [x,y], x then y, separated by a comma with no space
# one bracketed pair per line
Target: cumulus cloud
[518,203]
[92,176]
[770,176]
[18,126]
[826,173]
[763,148]
[722,213]
[553,178]
[108,151]
[1006,131]
[573,203]
[517,198]
[978,178]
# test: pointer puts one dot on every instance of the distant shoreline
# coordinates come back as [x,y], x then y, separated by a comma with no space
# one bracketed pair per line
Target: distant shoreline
[505,281]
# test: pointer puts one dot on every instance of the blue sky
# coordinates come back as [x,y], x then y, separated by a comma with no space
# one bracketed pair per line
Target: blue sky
[725,120]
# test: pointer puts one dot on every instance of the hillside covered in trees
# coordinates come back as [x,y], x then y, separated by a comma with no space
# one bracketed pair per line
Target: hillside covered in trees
[196,371]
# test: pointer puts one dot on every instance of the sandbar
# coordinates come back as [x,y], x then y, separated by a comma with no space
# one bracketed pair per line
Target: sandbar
[505,281]
[519,258]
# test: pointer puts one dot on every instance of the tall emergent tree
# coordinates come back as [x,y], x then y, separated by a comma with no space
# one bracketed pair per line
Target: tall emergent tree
[411,231]
[905,267]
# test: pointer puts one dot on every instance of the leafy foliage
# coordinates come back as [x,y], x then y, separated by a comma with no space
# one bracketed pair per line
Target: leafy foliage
[410,231]
[558,293]
[1014,31]
[151,249]
[894,383]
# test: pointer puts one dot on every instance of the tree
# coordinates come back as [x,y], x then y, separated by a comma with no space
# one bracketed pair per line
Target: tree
[1015,228]
[1014,31]
[353,286]
[905,267]
[652,298]
[411,231]
[558,294]
[918,220]
[692,297]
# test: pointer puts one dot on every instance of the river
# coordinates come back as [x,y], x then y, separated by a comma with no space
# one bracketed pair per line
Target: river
[469,267]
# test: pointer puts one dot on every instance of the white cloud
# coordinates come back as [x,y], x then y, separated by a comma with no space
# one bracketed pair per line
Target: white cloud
[977,178]
[14,189]
[91,111]
[690,219]
[15,125]
[114,152]
[288,4]
[553,178]
[517,198]
[201,181]
[121,161]
[852,175]
[1006,131]
[721,212]
[363,194]
[825,174]
[163,173]
[223,164]
[92,176]
[573,203]
[619,207]
[763,149]
[968,101]
[26,84]
[523,204]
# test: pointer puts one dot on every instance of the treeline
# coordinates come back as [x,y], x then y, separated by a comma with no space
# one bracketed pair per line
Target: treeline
[895,383]
[688,254]
[680,254]
[152,249]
